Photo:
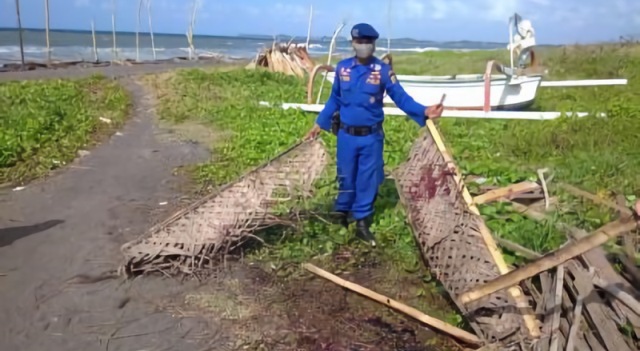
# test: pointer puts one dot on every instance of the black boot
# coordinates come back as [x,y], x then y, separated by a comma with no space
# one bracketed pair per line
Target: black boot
[341,218]
[363,232]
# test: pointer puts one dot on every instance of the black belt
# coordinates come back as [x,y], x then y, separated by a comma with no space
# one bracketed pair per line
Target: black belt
[359,130]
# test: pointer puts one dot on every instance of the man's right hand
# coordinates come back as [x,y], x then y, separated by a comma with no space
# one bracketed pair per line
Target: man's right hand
[434,111]
[313,133]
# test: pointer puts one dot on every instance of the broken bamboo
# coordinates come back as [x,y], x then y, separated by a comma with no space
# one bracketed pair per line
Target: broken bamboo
[515,292]
[433,322]
[573,331]
[551,260]
[621,295]
[596,199]
[506,192]
[557,310]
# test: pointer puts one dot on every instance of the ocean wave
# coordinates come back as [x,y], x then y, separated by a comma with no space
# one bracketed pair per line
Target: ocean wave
[417,49]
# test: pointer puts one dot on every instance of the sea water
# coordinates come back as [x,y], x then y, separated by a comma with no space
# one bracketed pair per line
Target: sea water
[78,45]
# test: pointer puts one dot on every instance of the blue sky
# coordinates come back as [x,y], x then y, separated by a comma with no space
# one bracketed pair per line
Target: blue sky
[556,22]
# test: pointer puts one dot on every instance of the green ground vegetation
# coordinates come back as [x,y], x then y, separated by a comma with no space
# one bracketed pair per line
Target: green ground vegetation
[598,154]
[44,123]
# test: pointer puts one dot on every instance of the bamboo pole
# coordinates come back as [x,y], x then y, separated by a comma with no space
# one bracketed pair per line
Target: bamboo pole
[433,322]
[309,30]
[573,331]
[95,47]
[509,191]
[153,44]
[192,50]
[113,29]
[389,24]
[20,33]
[46,12]
[324,77]
[138,32]
[557,310]
[515,292]
[556,258]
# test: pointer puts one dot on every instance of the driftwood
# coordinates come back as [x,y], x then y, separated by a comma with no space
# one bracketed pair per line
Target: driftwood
[190,239]
[289,59]
[551,260]
[449,233]
[433,322]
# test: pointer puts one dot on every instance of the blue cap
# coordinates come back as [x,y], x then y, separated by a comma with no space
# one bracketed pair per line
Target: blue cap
[364,31]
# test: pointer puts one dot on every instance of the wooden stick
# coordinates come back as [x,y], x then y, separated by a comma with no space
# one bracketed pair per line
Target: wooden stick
[333,41]
[573,332]
[627,299]
[557,309]
[515,292]
[95,48]
[20,33]
[153,44]
[138,32]
[309,30]
[550,260]
[521,250]
[596,199]
[113,29]
[192,49]
[506,192]
[433,322]
[46,14]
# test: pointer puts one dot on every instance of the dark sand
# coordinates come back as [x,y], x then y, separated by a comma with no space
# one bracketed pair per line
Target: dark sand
[74,224]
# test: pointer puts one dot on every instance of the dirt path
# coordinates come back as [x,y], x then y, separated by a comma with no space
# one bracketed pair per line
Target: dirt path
[74,224]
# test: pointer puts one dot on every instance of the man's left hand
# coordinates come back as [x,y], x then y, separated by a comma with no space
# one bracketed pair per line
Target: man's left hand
[434,111]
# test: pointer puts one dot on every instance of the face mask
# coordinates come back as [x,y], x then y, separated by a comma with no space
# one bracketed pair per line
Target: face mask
[364,50]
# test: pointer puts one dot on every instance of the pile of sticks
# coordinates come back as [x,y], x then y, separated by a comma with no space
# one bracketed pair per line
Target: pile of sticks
[582,301]
[288,58]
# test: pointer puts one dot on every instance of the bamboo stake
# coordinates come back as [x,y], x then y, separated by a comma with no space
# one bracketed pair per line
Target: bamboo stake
[515,292]
[389,34]
[46,12]
[20,33]
[138,32]
[309,30]
[324,77]
[153,45]
[95,48]
[526,253]
[597,238]
[573,331]
[192,50]
[433,322]
[113,29]
[557,309]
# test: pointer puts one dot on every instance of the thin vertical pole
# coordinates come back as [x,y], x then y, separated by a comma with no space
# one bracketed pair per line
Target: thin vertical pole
[309,30]
[113,29]
[138,33]
[20,32]
[389,34]
[46,10]
[95,47]
[153,45]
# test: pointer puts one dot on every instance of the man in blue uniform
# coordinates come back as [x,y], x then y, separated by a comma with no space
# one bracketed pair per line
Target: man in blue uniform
[354,112]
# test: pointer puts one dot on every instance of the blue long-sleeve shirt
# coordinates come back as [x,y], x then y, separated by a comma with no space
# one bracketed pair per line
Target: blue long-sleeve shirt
[358,93]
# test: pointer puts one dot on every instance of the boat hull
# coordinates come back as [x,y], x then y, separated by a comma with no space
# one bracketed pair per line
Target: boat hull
[469,93]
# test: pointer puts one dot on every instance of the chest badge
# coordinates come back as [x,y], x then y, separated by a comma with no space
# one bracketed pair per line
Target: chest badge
[372,100]
[374,78]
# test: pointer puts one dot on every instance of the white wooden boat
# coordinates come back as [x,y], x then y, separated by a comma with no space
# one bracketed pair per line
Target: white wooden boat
[467,92]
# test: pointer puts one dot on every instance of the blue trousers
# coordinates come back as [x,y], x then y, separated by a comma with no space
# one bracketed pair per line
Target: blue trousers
[360,172]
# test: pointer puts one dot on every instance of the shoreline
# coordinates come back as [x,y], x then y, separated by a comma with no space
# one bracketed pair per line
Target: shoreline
[80,69]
